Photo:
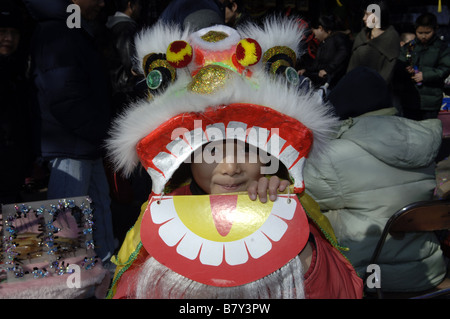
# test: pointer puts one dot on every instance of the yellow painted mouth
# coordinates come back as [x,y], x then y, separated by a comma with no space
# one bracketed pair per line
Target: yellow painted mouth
[239,215]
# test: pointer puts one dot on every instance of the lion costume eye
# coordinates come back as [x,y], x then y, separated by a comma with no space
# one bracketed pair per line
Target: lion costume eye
[281,60]
[158,71]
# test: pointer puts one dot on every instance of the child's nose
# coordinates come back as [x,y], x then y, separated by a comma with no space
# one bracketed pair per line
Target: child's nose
[230,167]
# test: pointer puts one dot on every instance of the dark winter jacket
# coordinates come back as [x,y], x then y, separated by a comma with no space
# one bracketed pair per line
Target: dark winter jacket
[71,86]
[122,31]
[15,128]
[332,56]
[360,91]
[126,85]
[433,60]
[379,54]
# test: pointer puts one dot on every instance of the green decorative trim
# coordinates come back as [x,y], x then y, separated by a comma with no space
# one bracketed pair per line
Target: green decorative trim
[325,233]
[127,264]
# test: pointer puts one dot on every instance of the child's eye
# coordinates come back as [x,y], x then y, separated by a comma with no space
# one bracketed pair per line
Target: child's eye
[211,149]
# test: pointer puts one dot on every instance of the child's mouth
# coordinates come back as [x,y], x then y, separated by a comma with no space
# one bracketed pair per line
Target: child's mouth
[231,187]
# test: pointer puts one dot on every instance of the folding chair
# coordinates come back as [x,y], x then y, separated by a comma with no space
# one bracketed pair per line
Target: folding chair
[422,216]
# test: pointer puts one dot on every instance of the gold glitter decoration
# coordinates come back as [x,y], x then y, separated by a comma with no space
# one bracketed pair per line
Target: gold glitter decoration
[275,65]
[214,36]
[209,79]
[279,50]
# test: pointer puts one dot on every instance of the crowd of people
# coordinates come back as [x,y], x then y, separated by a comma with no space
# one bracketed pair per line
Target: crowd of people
[62,87]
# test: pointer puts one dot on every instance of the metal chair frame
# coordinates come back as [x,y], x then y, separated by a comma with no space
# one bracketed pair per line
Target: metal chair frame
[424,216]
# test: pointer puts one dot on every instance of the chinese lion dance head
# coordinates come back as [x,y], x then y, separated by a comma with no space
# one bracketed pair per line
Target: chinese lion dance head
[214,84]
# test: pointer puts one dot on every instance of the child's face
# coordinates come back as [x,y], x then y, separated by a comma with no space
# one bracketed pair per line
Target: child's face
[369,19]
[320,33]
[233,171]
[424,34]
[9,40]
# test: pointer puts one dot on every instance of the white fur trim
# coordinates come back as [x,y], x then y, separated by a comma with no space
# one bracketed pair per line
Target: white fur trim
[156,40]
[275,32]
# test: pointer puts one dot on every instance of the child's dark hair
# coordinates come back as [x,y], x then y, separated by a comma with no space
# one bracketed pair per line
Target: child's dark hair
[229,4]
[121,5]
[427,20]
[328,23]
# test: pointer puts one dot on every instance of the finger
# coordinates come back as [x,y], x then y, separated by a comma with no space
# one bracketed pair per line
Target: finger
[274,182]
[252,190]
[263,183]
[283,185]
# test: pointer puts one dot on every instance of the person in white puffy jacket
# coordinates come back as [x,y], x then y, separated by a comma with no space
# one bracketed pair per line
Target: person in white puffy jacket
[375,166]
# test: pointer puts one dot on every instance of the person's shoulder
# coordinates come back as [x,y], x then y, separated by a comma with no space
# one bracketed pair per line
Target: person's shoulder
[124,27]
[441,44]
[341,37]
[56,31]
[56,39]
[361,37]
[391,34]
